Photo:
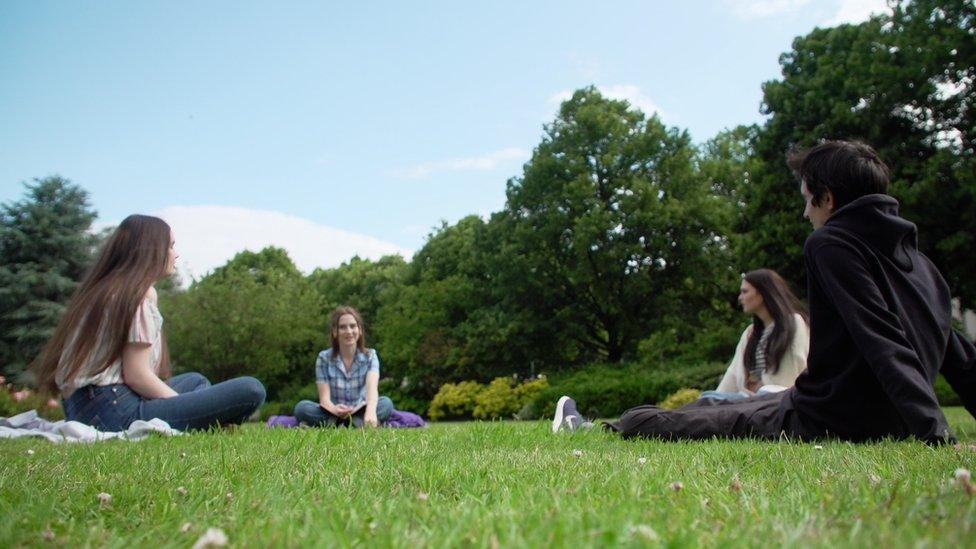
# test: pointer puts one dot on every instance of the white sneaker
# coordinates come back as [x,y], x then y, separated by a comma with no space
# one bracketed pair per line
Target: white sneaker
[567,417]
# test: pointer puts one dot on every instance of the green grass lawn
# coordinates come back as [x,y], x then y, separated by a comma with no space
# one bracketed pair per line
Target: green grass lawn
[483,484]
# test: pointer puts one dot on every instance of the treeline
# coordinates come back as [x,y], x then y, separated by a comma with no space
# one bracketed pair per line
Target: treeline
[620,243]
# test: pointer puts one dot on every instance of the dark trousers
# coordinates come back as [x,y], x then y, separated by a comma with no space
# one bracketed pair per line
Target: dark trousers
[755,417]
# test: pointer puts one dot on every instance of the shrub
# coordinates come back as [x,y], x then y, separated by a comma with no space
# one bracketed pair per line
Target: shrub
[679,398]
[528,391]
[403,399]
[455,400]
[606,390]
[945,394]
[496,400]
[502,398]
[14,401]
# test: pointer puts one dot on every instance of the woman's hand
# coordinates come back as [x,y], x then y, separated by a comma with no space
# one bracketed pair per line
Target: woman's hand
[343,410]
[370,420]
[338,410]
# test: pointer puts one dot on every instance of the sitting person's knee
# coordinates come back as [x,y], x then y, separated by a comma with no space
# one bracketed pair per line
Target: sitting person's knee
[384,407]
[253,389]
[304,409]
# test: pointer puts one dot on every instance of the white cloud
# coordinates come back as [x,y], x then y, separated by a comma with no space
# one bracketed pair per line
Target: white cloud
[208,236]
[484,162]
[856,11]
[838,12]
[628,92]
[757,9]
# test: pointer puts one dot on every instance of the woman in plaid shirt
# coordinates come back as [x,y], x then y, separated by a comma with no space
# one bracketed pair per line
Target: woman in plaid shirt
[347,376]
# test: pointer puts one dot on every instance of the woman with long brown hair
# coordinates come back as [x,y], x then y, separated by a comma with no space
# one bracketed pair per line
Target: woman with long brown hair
[772,351]
[108,355]
[347,377]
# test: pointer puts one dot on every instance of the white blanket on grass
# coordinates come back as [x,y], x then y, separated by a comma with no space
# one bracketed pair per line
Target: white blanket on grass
[29,424]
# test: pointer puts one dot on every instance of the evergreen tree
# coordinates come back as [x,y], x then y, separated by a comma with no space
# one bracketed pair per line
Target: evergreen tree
[45,247]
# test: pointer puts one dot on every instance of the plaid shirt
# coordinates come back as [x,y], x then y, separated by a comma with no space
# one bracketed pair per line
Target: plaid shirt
[346,388]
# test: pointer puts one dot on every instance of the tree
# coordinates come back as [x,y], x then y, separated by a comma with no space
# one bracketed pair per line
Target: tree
[610,228]
[364,284]
[256,315]
[45,248]
[902,83]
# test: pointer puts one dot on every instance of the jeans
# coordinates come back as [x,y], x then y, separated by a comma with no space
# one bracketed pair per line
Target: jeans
[723,395]
[313,414]
[199,404]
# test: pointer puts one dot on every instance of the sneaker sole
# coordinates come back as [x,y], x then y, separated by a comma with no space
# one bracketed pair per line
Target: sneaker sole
[557,421]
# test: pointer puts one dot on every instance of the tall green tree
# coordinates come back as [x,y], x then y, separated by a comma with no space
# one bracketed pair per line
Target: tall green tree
[902,83]
[256,315]
[45,248]
[364,284]
[610,227]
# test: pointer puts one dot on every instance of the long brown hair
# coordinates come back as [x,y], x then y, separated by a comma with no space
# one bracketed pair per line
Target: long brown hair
[782,305]
[104,304]
[336,315]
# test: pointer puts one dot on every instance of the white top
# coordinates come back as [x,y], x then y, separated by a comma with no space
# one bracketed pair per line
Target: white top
[792,364]
[146,327]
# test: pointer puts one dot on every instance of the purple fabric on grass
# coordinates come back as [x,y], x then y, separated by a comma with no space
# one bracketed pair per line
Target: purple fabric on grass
[282,421]
[399,418]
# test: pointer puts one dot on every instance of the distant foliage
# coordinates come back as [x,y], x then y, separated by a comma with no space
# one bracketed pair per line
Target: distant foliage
[607,390]
[902,83]
[17,399]
[45,248]
[679,398]
[255,316]
[455,400]
[503,398]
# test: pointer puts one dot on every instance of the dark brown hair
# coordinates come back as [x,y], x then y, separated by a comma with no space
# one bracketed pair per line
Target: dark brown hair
[782,305]
[104,304]
[336,315]
[848,169]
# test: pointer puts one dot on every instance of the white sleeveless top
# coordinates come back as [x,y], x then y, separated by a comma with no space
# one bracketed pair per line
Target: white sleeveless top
[146,327]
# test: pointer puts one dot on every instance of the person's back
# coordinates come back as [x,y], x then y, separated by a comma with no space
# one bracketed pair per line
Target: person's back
[880,325]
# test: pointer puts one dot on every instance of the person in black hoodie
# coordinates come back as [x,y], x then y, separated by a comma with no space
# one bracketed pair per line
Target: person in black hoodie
[879,324]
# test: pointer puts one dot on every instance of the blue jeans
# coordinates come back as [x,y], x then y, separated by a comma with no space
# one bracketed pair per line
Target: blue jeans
[199,404]
[313,414]
[723,395]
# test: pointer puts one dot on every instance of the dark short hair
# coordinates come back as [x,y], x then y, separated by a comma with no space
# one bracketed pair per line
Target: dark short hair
[848,169]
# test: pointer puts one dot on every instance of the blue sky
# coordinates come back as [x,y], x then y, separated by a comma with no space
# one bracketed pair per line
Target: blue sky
[335,129]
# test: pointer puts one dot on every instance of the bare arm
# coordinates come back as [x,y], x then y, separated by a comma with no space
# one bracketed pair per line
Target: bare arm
[138,374]
[372,397]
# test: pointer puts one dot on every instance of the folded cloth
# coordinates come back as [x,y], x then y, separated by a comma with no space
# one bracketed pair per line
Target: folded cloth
[29,424]
[282,421]
[400,418]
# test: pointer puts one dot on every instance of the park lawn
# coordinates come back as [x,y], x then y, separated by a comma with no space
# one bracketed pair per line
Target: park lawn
[508,484]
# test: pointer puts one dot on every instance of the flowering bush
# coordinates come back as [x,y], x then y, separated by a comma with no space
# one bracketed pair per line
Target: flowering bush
[455,400]
[496,400]
[501,398]
[14,401]
[679,398]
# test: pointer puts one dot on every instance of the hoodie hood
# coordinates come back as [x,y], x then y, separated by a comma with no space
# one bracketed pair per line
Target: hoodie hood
[874,219]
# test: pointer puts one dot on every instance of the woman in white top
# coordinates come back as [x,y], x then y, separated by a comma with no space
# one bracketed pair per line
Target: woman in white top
[108,356]
[773,349]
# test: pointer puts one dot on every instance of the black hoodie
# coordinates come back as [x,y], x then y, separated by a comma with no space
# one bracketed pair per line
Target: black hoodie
[879,332]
